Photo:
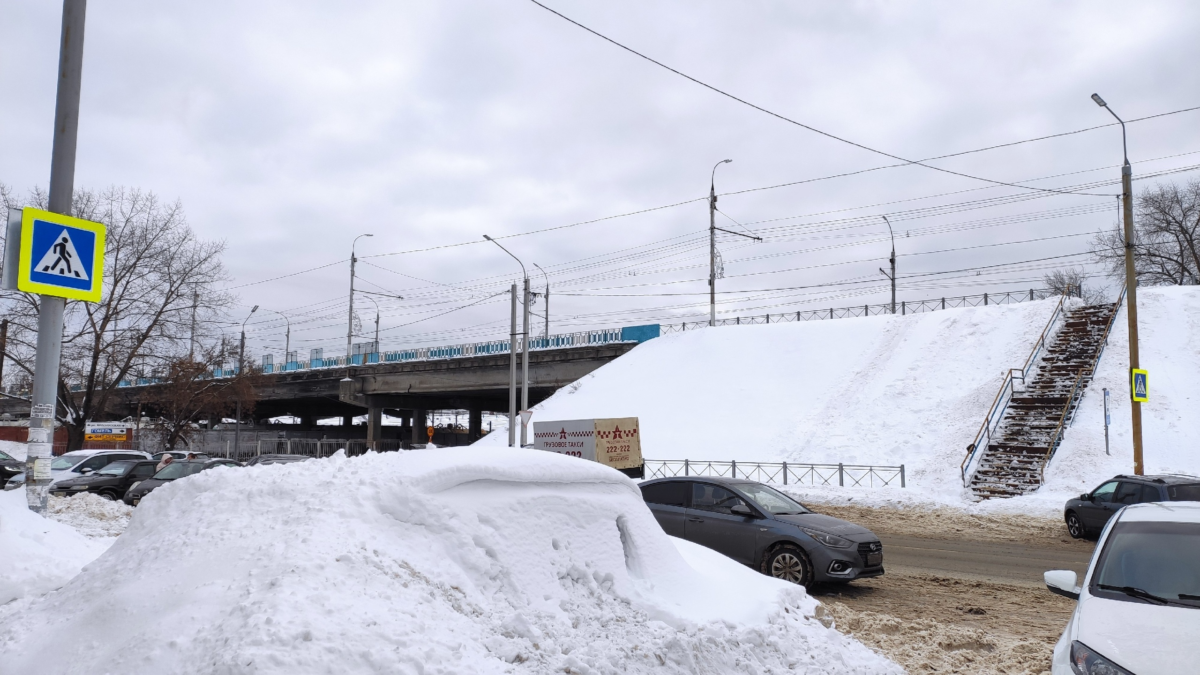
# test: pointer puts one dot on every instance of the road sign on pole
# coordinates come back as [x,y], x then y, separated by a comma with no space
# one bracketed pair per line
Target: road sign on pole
[1139,380]
[60,256]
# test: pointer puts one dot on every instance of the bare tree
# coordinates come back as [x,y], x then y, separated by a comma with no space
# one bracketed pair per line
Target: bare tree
[1166,237]
[158,275]
[188,393]
[1073,282]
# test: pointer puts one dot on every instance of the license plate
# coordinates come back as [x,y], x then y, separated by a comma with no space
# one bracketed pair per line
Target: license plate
[60,494]
[874,559]
[135,501]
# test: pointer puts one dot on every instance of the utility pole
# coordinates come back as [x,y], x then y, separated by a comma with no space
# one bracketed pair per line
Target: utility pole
[3,349]
[547,276]
[525,366]
[350,323]
[1130,289]
[50,309]
[712,244]
[892,260]
[287,338]
[237,423]
[512,372]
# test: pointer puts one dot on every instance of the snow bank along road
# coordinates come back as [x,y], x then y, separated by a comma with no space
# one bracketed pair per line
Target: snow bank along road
[454,561]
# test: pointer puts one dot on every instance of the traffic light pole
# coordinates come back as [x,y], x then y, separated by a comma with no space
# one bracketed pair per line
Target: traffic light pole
[50,309]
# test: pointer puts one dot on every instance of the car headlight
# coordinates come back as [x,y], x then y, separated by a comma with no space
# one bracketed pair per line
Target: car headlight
[830,540]
[1087,661]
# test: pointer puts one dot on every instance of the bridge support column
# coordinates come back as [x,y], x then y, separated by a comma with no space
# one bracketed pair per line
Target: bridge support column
[347,421]
[419,437]
[474,424]
[374,426]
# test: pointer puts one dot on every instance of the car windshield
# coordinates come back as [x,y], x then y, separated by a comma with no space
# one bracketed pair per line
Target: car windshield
[5,457]
[772,501]
[116,469]
[1184,493]
[178,470]
[65,462]
[1155,562]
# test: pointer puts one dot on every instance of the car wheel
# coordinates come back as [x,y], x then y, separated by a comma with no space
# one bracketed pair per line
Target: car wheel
[1075,526]
[109,495]
[790,564]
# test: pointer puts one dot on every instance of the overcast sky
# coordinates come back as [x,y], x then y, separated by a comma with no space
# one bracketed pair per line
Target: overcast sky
[288,128]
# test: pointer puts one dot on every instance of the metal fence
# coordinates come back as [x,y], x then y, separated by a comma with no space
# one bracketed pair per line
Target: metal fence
[903,307]
[781,473]
[296,446]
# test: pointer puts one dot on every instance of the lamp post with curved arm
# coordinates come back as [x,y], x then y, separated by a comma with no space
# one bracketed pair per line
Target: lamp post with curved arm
[547,276]
[712,244]
[376,345]
[512,361]
[1130,286]
[892,260]
[350,323]
[287,338]
[237,422]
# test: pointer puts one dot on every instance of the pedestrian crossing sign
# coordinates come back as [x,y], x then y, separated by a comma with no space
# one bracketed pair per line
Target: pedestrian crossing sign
[61,256]
[1141,385]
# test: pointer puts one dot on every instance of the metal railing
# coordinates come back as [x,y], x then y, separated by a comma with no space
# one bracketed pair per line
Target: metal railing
[1085,375]
[995,413]
[781,473]
[902,308]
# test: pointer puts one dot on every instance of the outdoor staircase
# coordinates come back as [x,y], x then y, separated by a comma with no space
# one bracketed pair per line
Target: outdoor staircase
[1037,415]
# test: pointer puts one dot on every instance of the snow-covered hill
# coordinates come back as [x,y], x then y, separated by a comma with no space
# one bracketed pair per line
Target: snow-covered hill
[890,390]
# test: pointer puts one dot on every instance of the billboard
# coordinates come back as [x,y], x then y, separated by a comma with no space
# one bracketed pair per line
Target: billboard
[614,442]
[106,431]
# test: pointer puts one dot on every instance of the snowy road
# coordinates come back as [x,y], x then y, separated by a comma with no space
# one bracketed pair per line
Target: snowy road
[999,562]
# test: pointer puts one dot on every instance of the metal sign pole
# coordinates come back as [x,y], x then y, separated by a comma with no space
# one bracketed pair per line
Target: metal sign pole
[50,310]
[1106,422]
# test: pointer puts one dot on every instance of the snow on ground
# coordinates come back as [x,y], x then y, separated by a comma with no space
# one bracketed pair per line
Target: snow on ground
[889,390]
[454,561]
[37,555]
[91,515]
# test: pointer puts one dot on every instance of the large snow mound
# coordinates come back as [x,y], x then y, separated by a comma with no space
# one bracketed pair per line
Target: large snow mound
[37,555]
[449,561]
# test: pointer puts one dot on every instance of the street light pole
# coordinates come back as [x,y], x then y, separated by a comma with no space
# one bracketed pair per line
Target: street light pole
[287,339]
[373,302]
[350,323]
[513,351]
[1130,288]
[892,260]
[712,244]
[547,335]
[237,422]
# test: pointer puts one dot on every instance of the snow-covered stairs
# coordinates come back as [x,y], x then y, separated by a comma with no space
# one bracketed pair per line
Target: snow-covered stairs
[1012,463]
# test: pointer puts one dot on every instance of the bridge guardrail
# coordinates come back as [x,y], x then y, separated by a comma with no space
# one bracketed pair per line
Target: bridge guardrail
[781,473]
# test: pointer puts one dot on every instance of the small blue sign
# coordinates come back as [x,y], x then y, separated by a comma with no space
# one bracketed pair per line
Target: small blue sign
[64,255]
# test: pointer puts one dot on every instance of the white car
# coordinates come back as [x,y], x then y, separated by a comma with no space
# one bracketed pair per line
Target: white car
[1139,605]
[75,464]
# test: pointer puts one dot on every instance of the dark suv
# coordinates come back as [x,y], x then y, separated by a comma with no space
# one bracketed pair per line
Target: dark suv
[759,526]
[1087,515]
[110,482]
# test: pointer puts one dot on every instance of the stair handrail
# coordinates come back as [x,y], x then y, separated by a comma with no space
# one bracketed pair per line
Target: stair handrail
[999,404]
[1089,371]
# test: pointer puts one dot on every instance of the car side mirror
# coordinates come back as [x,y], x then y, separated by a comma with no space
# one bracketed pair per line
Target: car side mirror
[85,471]
[1062,582]
[741,510]
[1087,496]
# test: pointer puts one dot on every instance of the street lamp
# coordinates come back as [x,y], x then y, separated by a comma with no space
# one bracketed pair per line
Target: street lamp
[350,324]
[376,327]
[1130,287]
[287,340]
[237,422]
[512,362]
[893,261]
[712,244]
[547,276]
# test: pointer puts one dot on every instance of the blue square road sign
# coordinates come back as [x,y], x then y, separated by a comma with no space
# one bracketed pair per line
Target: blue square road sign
[61,256]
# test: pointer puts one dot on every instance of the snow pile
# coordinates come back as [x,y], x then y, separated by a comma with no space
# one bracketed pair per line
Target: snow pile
[37,555]
[889,390]
[455,561]
[14,449]
[91,515]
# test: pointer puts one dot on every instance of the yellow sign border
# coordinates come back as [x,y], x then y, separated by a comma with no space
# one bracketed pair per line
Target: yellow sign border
[28,285]
[1133,373]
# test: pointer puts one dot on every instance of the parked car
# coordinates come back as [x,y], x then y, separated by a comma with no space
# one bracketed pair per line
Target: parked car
[1088,514]
[760,526]
[276,459]
[77,463]
[173,471]
[110,482]
[1138,609]
[9,467]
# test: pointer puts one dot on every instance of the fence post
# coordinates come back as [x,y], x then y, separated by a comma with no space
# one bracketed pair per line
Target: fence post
[901,475]
[739,320]
[831,312]
[903,308]
[785,473]
[943,303]
[227,450]
[768,317]
[733,467]
[1031,294]
[841,476]
[866,310]
[985,299]
[797,316]
[685,467]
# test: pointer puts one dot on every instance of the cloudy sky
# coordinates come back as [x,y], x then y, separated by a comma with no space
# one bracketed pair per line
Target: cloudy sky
[288,128]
